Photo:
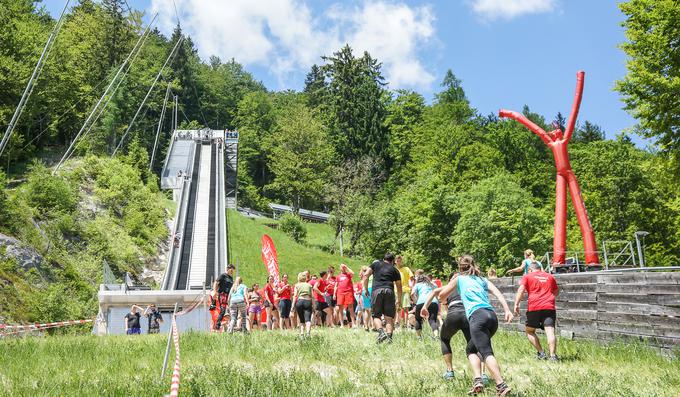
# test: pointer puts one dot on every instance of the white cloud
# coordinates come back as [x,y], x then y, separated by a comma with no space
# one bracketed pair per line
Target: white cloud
[509,9]
[285,37]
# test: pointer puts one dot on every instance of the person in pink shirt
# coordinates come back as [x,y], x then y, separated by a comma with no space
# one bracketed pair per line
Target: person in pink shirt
[344,293]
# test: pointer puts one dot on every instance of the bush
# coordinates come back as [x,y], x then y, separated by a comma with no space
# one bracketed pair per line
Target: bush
[293,226]
[49,194]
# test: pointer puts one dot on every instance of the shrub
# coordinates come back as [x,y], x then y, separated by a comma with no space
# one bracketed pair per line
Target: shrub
[293,226]
[49,194]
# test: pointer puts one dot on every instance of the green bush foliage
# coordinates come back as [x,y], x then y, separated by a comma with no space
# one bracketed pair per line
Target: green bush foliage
[94,210]
[293,226]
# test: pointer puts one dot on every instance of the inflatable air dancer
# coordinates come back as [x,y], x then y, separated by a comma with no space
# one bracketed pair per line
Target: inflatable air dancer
[557,141]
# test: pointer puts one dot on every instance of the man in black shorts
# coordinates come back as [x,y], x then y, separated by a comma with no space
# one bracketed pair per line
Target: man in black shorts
[542,290]
[223,285]
[383,300]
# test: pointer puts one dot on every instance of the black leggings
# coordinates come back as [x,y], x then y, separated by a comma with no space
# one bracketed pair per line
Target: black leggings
[483,325]
[303,307]
[455,321]
[433,311]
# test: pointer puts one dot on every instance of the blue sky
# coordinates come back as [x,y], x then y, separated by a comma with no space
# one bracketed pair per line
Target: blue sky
[507,52]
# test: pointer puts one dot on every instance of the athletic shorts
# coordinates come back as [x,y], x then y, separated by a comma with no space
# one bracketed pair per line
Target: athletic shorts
[255,309]
[321,306]
[406,300]
[383,303]
[134,331]
[284,307]
[541,318]
[330,301]
[154,330]
[346,299]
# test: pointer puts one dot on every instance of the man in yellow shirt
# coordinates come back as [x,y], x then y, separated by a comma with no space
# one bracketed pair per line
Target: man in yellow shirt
[406,282]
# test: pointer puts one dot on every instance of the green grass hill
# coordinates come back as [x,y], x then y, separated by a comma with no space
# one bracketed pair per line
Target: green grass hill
[245,235]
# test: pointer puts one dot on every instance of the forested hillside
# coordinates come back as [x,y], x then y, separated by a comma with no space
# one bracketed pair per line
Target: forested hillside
[431,178]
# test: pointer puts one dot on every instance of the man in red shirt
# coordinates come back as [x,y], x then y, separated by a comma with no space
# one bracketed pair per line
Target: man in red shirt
[344,293]
[542,290]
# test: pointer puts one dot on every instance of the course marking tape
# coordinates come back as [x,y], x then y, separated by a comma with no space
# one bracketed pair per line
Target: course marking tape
[39,326]
[174,386]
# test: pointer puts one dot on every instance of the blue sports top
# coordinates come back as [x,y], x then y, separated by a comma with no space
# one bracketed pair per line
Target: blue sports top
[423,290]
[526,264]
[473,293]
[239,295]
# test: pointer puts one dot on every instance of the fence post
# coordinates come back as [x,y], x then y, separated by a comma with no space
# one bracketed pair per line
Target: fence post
[167,348]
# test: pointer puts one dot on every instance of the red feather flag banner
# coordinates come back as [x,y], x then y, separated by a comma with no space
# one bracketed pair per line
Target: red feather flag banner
[269,257]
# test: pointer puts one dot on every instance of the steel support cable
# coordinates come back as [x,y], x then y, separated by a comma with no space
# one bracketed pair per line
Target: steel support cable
[42,66]
[66,111]
[108,88]
[31,82]
[148,93]
[160,125]
[113,93]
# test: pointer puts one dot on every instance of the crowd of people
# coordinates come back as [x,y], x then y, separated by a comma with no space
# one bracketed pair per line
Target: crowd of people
[388,293]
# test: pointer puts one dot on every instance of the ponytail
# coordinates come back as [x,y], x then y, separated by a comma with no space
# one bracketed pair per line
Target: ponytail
[468,267]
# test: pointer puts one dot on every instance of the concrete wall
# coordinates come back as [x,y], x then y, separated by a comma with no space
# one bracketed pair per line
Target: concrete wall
[115,304]
[197,320]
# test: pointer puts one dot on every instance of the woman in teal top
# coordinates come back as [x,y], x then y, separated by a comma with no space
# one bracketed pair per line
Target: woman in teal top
[419,294]
[474,292]
[524,267]
[237,305]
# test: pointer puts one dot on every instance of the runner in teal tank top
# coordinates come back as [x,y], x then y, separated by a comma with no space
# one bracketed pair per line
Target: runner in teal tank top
[474,293]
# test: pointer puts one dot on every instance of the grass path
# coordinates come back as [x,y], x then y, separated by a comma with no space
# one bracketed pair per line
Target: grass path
[331,363]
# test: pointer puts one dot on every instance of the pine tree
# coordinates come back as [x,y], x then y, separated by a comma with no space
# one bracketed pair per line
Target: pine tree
[453,90]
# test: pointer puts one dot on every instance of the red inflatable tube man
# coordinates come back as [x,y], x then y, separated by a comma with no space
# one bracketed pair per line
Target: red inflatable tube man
[557,141]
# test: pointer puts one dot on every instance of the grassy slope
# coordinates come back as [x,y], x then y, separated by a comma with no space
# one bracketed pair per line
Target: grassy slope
[331,363]
[245,235]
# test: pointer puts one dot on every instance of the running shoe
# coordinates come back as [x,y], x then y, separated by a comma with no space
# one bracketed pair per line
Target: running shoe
[502,390]
[541,356]
[382,336]
[477,386]
[448,375]
[554,358]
